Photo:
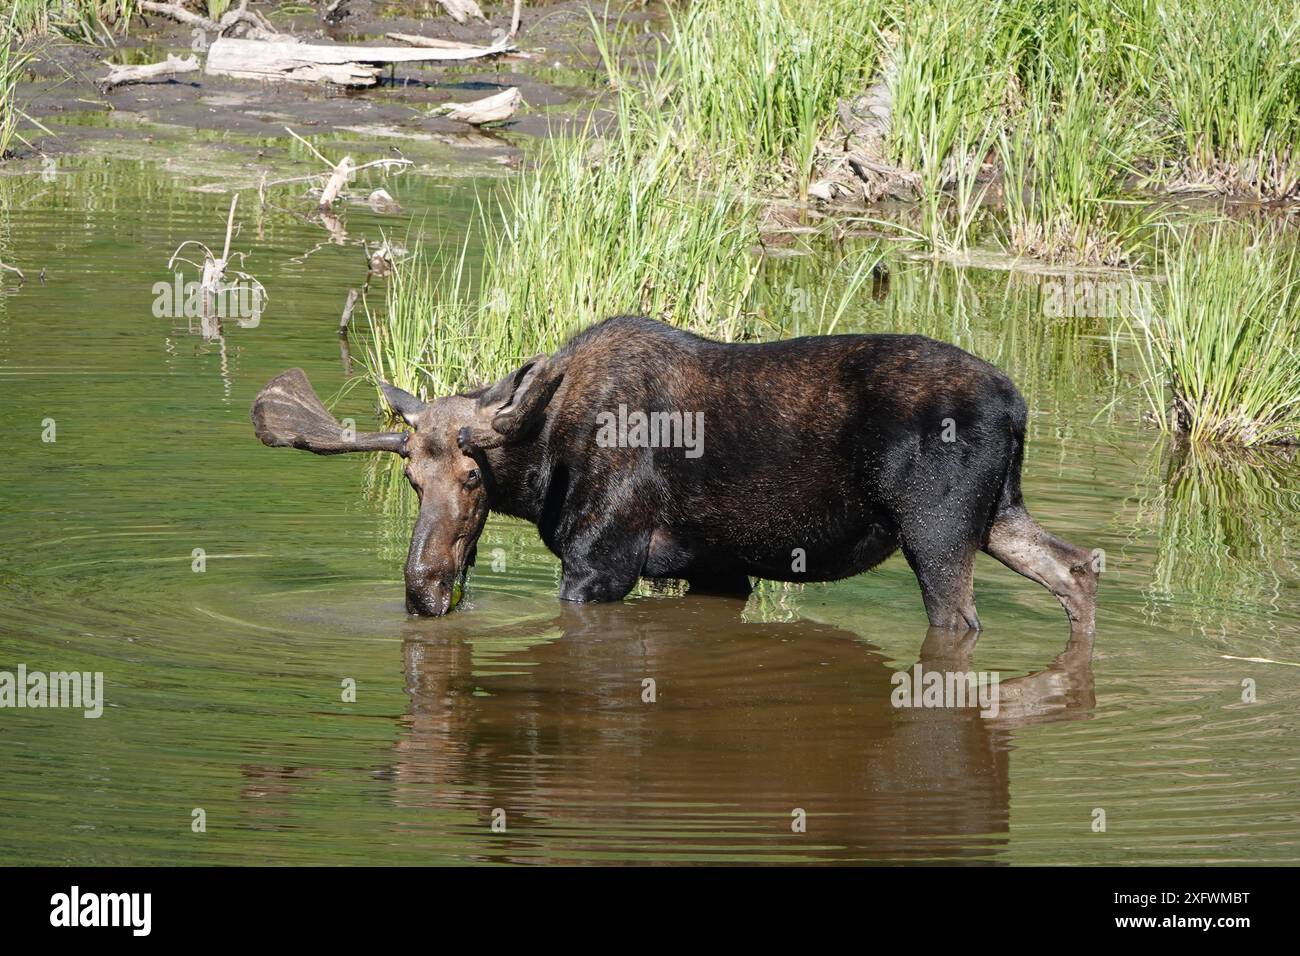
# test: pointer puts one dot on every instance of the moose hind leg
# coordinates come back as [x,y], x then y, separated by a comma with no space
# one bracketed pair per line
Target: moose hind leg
[1069,572]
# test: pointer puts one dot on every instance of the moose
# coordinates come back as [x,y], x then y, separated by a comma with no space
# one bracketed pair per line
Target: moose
[814,459]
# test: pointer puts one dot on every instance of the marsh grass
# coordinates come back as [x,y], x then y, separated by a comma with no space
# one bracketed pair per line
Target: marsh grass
[1065,166]
[1230,73]
[566,245]
[753,84]
[953,60]
[658,214]
[12,60]
[1220,361]
[88,20]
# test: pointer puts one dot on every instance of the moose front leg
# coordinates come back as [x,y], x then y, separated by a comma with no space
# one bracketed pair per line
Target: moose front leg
[603,564]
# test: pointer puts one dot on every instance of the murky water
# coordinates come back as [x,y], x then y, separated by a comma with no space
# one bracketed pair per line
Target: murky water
[224,687]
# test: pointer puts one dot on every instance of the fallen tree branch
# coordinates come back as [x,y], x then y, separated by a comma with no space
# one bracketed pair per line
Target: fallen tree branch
[433,43]
[342,64]
[179,14]
[121,75]
[237,20]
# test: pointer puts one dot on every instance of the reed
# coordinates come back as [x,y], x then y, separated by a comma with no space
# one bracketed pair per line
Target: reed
[1220,362]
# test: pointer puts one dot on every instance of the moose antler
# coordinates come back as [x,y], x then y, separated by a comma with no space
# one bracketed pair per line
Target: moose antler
[288,414]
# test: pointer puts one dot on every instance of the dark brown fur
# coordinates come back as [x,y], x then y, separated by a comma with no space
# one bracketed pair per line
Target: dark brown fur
[821,457]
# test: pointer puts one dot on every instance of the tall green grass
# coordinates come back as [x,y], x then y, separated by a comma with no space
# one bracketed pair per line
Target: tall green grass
[88,20]
[12,60]
[953,60]
[750,86]
[1229,71]
[1051,88]
[1221,361]
[1065,166]
[658,215]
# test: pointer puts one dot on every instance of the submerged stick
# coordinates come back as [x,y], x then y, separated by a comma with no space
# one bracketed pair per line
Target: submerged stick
[340,174]
[346,318]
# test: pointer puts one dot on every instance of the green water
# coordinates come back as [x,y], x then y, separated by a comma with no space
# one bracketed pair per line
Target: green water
[224,687]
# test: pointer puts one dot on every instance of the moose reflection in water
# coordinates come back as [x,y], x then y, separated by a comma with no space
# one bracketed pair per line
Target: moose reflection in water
[560,736]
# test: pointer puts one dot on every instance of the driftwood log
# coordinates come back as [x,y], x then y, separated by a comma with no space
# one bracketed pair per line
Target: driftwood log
[317,63]
[496,108]
[462,10]
[120,75]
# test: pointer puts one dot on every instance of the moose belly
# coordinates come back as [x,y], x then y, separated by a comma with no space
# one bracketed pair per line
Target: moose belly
[782,557]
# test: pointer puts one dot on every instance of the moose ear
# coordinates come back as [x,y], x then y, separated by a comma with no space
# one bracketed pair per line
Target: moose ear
[402,402]
[515,407]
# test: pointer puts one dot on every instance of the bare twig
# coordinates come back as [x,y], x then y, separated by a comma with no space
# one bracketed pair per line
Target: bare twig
[214,270]
[19,272]
[433,43]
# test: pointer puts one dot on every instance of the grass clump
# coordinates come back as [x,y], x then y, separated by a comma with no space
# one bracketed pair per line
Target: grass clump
[1221,362]
[597,228]
[12,60]
[87,20]
[951,62]
[1229,71]
[1065,167]
[754,84]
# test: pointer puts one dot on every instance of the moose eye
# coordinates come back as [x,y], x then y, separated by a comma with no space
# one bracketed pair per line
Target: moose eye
[473,479]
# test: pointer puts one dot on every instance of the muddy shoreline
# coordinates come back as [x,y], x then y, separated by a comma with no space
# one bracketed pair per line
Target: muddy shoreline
[556,69]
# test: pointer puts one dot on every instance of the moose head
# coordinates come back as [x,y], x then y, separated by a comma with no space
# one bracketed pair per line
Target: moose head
[448,453]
